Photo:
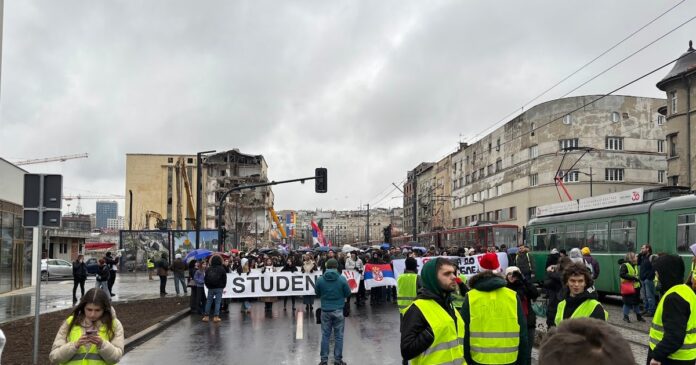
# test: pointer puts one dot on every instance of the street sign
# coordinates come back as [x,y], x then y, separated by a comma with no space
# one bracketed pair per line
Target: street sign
[42,196]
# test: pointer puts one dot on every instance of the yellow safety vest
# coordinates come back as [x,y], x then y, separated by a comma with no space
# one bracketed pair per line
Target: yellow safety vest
[693,271]
[406,290]
[688,349]
[633,271]
[150,264]
[448,345]
[457,296]
[494,331]
[584,310]
[83,356]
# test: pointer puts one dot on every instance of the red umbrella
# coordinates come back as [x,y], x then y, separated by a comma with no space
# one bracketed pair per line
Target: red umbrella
[234,250]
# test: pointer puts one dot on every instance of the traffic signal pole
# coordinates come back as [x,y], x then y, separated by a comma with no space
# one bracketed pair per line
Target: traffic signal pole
[320,177]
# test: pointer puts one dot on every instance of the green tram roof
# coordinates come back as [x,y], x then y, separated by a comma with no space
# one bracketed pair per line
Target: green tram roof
[679,202]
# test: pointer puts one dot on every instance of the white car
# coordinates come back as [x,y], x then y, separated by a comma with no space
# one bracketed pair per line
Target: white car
[53,268]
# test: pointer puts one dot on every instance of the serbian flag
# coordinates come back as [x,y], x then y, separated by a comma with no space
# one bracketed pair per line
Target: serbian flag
[317,235]
[378,275]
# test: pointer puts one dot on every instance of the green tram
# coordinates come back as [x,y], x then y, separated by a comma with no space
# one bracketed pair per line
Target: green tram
[665,221]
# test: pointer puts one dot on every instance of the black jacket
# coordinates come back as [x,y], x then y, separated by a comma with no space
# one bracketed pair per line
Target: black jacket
[572,303]
[215,277]
[647,272]
[79,270]
[527,293]
[103,273]
[416,333]
[111,263]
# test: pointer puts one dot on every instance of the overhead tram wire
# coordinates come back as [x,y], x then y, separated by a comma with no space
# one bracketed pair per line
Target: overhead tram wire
[576,71]
[388,194]
[629,56]
[601,97]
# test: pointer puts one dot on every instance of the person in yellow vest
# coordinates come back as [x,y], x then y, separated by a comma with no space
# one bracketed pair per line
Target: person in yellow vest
[91,334]
[578,302]
[407,285]
[629,273]
[494,323]
[432,331]
[673,328]
[150,268]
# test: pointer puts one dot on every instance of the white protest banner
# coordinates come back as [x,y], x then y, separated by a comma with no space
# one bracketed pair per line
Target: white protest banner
[468,265]
[278,284]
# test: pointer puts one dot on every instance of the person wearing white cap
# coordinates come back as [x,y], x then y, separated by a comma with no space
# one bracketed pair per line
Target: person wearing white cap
[179,269]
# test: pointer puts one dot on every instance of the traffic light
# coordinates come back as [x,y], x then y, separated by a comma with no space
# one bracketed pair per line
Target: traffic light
[320,180]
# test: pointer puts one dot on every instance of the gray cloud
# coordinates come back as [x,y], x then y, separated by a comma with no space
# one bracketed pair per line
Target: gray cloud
[367,89]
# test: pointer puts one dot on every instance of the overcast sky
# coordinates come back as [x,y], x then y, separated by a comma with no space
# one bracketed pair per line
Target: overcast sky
[368,89]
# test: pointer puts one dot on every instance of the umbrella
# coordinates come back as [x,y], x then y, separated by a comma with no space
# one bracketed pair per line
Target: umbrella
[385,246]
[419,248]
[348,248]
[198,254]
[304,249]
[234,250]
[323,249]
[405,246]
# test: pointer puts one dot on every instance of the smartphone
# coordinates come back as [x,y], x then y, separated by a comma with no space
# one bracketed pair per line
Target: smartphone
[90,332]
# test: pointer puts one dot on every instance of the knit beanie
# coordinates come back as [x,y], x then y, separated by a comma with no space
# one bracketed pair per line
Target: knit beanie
[489,261]
[332,264]
[411,264]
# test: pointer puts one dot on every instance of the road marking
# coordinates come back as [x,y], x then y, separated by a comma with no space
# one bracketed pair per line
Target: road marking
[298,334]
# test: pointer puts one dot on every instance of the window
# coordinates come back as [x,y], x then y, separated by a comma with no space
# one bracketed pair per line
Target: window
[499,165]
[491,192]
[597,236]
[686,232]
[614,143]
[190,160]
[623,236]
[531,212]
[513,212]
[466,221]
[575,235]
[556,237]
[498,214]
[615,117]
[660,119]
[567,119]
[533,179]
[468,179]
[613,174]
[673,181]
[540,239]
[467,159]
[490,170]
[661,176]
[490,146]
[661,146]
[568,143]
[570,176]
[672,142]
[534,151]
[474,159]
[481,173]
[673,101]
[473,176]
[497,145]
[497,190]
[63,248]
[532,127]
[170,160]
[484,194]
[222,172]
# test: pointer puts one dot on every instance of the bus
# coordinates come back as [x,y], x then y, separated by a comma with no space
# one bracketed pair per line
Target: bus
[665,218]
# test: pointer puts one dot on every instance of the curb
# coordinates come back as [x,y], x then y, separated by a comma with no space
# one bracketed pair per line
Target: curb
[150,332]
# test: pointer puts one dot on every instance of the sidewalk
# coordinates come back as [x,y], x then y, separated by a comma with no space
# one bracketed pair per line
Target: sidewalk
[57,294]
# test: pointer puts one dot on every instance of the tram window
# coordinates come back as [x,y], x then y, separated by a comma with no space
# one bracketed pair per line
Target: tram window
[575,236]
[686,232]
[555,238]
[540,239]
[623,236]
[597,236]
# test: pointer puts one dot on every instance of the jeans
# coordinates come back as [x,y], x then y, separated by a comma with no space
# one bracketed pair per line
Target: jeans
[179,278]
[163,284]
[104,285]
[81,283]
[627,309]
[649,287]
[335,321]
[215,294]
[112,280]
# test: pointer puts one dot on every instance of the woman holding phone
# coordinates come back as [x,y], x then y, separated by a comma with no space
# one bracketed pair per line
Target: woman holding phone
[91,333]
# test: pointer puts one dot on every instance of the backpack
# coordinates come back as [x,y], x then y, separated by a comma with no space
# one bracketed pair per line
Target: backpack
[213,277]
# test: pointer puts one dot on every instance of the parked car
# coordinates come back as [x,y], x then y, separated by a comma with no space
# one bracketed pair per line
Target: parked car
[92,266]
[52,268]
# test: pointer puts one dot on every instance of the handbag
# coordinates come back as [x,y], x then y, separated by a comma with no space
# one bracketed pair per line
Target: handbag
[191,283]
[627,288]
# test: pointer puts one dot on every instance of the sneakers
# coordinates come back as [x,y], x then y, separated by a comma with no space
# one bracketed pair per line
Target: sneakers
[625,319]
[205,319]
[216,319]
[340,362]
[639,318]
[323,363]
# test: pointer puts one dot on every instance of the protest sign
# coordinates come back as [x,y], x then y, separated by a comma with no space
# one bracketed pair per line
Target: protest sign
[279,284]
[468,265]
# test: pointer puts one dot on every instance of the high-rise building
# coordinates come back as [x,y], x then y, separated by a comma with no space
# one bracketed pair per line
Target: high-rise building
[106,210]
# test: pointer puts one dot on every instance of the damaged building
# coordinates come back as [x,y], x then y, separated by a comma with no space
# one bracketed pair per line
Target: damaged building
[247,210]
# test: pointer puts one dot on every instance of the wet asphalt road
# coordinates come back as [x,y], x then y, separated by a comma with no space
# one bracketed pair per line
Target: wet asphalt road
[371,337]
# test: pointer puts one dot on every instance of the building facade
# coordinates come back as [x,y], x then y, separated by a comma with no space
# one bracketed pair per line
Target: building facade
[614,144]
[106,210]
[115,223]
[418,198]
[680,130]
[15,243]
[81,222]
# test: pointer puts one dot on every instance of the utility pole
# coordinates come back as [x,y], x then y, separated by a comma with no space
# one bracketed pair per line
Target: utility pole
[367,230]
[199,187]
[415,206]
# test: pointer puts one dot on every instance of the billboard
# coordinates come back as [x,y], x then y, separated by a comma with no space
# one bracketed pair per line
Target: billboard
[138,246]
[185,241]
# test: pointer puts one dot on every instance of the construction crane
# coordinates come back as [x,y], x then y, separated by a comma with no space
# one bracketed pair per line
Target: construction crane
[50,159]
[79,198]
